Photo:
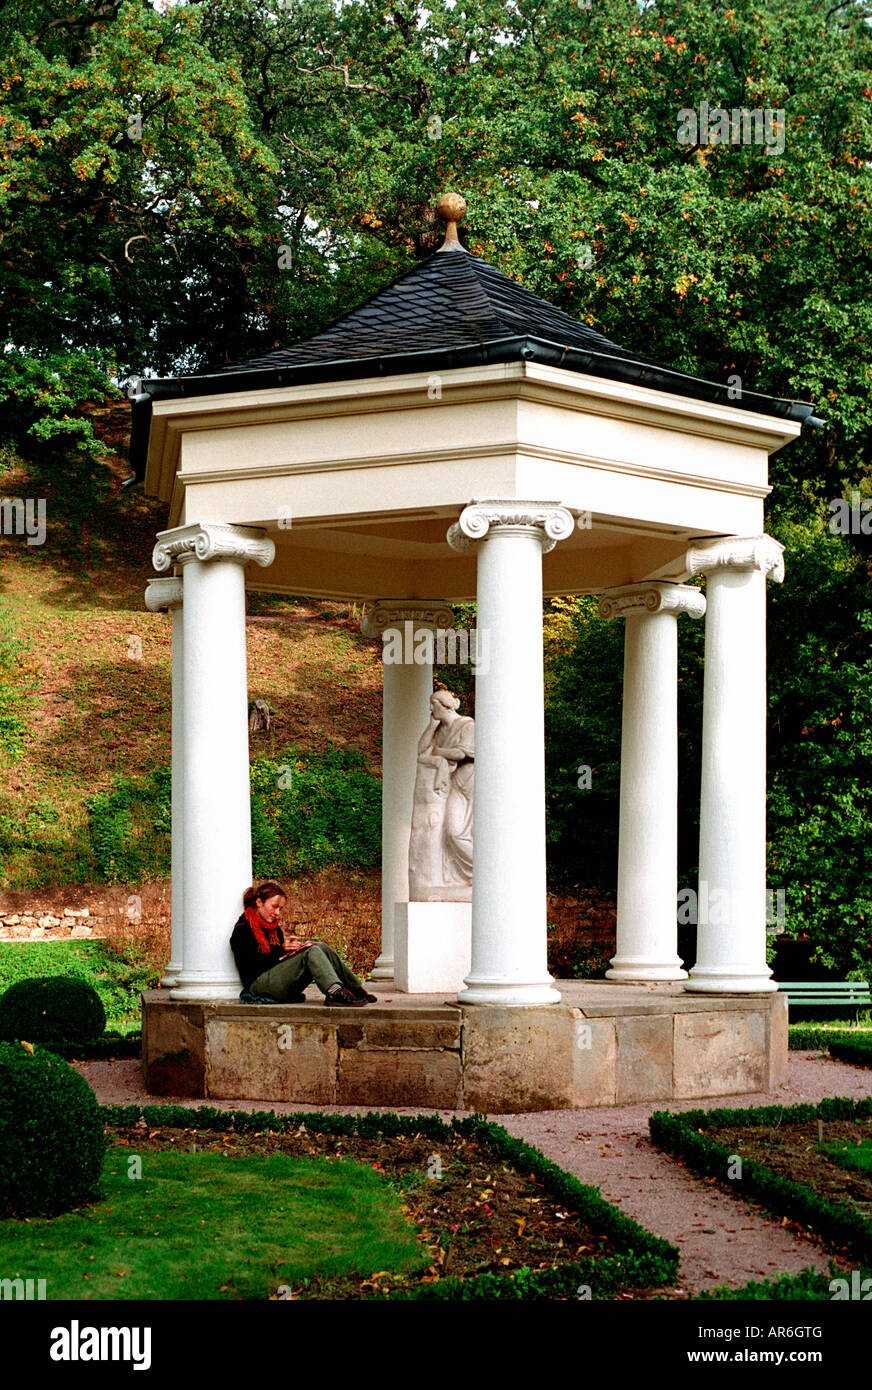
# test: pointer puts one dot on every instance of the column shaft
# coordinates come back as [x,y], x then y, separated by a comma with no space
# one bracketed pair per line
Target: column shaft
[177,862]
[217,855]
[731,904]
[648,826]
[405,715]
[216,801]
[648,835]
[509,929]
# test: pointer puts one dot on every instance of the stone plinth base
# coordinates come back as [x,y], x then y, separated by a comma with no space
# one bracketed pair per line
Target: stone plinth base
[602,1045]
[432,947]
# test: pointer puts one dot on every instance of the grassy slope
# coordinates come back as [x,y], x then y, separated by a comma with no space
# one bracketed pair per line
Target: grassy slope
[94,710]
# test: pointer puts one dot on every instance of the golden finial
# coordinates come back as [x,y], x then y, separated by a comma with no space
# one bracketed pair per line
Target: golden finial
[452,209]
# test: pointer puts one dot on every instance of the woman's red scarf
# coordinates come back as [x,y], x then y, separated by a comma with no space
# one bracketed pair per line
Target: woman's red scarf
[267,935]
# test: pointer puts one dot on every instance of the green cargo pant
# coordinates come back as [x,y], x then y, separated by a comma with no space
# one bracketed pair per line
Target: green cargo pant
[318,963]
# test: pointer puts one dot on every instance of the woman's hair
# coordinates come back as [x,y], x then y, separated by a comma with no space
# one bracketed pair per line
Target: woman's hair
[267,889]
[445,697]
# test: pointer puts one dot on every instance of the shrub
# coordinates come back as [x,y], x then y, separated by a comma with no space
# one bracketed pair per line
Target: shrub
[816,1037]
[810,1285]
[51,1008]
[129,827]
[855,1050]
[52,1141]
[311,810]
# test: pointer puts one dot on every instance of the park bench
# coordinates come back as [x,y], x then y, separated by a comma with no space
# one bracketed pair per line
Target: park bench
[853,994]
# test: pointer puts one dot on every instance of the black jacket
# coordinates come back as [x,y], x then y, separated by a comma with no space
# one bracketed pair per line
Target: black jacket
[250,962]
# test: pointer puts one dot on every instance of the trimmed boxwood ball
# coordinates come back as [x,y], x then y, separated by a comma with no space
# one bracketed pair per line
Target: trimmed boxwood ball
[52,1141]
[50,1009]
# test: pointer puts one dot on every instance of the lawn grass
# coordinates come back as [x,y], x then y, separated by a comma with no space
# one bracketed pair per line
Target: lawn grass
[118,982]
[857,1156]
[213,1226]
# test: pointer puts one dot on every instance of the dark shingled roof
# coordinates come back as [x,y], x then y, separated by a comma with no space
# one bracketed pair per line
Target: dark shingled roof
[451,300]
[450,310]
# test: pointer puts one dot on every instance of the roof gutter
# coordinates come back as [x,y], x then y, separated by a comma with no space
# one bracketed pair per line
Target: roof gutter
[511,349]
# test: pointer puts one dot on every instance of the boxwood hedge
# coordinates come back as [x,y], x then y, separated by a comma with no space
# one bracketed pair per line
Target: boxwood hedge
[685,1135]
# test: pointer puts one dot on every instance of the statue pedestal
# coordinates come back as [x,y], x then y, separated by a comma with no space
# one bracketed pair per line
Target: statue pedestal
[432,947]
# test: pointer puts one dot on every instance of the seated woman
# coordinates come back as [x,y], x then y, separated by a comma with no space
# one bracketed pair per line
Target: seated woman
[272,967]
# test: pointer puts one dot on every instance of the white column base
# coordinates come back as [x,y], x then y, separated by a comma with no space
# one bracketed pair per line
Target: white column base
[731,980]
[171,975]
[432,946]
[493,992]
[192,987]
[383,968]
[634,972]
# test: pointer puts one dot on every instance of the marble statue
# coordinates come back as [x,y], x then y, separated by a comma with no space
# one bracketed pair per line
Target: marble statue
[440,846]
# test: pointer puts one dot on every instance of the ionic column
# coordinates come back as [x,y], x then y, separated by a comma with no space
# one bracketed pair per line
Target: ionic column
[162,595]
[646,947]
[407,674]
[509,945]
[216,796]
[731,926]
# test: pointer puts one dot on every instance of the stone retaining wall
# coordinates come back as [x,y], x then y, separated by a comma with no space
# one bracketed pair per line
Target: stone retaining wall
[74,923]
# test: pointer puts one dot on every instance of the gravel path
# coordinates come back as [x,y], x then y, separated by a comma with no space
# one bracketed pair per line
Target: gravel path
[721,1240]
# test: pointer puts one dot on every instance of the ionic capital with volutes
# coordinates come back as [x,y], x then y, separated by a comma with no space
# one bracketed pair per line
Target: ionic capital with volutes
[552,521]
[212,541]
[161,594]
[652,597]
[761,553]
[433,615]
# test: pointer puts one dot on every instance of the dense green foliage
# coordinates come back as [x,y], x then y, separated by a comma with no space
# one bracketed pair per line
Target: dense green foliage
[820,745]
[191,184]
[118,981]
[309,811]
[51,1008]
[807,1286]
[129,828]
[685,1135]
[51,1135]
[856,1050]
